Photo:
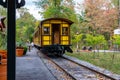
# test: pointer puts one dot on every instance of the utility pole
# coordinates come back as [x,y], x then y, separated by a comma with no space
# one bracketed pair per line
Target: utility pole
[11,6]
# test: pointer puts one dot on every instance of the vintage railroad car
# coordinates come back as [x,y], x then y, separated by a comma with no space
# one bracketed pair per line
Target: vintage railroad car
[53,36]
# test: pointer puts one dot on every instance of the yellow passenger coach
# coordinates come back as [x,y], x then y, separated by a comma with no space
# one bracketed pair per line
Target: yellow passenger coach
[53,35]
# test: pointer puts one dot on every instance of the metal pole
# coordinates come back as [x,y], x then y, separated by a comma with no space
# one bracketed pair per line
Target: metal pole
[11,11]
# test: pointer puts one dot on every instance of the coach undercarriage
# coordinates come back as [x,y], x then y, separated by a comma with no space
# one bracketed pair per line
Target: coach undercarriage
[56,49]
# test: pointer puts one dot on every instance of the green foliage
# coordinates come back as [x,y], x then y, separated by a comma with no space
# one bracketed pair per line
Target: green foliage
[115,2]
[3,11]
[25,50]
[3,35]
[77,38]
[3,41]
[57,8]
[116,39]
[52,12]
[90,40]
[95,40]
[20,43]
[24,26]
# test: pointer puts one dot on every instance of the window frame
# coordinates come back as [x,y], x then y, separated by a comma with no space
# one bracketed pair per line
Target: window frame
[47,30]
[65,31]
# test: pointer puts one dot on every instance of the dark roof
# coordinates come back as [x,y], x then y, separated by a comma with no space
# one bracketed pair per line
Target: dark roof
[64,19]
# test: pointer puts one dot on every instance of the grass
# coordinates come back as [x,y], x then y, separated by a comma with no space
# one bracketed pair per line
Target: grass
[109,61]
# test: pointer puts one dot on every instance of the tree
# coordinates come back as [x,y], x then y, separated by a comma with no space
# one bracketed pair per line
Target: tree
[77,38]
[3,35]
[101,16]
[116,39]
[115,2]
[95,40]
[57,8]
[3,11]
[24,26]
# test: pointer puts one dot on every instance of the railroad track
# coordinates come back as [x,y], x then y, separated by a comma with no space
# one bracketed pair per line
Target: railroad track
[87,71]
[72,70]
[80,72]
[104,74]
[58,72]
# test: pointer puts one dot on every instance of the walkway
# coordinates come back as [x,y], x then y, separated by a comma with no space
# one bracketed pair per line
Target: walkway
[30,67]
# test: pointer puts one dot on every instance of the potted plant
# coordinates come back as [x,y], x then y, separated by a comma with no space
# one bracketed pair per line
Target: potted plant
[3,46]
[19,48]
[3,41]
[25,50]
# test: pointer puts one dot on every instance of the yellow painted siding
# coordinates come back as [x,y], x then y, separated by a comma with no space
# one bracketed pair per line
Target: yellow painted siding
[36,41]
[46,25]
[65,42]
[56,21]
[46,43]
[64,38]
[65,25]
[46,38]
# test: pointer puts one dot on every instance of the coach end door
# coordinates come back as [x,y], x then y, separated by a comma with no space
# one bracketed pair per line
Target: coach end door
[55,33]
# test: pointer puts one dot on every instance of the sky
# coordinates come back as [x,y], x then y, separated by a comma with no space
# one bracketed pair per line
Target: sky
[34,10]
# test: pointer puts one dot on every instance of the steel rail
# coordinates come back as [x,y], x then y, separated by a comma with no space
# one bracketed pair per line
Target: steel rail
[107,76]
[59,67]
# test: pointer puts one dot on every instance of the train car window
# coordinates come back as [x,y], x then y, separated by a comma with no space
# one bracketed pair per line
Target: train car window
[46,30]
[65,31]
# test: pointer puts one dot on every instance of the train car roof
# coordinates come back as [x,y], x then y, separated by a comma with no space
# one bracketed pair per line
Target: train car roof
[64,19]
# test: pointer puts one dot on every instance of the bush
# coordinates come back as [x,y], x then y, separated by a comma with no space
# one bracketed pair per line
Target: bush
[3,41]
[25,50]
